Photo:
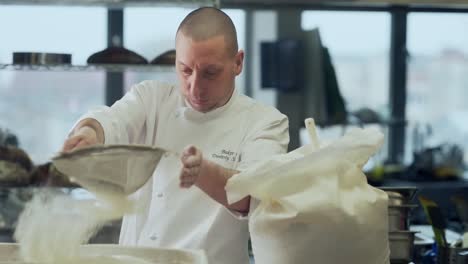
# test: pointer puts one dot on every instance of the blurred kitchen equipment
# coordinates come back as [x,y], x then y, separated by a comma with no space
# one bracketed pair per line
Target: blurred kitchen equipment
[366,115]
[16,155]
[12,174]
[12,202]
[401,246]
[166,58]
[436,219]
[442,162]
[9,253]
[17,170]
[400,195]
[15,166]
[116,55]
[421,133]
[461,205]
[282,65]
[40,58]
[322,92]
[452,255]
[47,175]
[122,168]
[7,138]
[398,216]
[395,198]
[401,239]
[438,222]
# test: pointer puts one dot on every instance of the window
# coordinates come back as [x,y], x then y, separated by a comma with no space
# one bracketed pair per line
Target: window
[359,45]
[437,106]
[77,30]
[39,106]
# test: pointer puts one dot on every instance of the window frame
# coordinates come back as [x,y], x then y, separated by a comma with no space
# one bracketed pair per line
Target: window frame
[398,54]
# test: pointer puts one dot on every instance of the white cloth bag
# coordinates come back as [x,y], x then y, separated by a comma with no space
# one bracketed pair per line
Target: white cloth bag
[315,204]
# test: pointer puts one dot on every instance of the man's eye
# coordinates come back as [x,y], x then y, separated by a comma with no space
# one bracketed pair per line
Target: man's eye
[211,74]
[187,71]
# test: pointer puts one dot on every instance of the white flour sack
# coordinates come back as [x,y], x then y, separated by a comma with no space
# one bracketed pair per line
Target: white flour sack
[315,204]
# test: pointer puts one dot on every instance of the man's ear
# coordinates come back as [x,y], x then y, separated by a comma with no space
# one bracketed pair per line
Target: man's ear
[239,60]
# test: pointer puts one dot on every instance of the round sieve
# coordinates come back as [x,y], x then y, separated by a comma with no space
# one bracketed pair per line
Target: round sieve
[123,168]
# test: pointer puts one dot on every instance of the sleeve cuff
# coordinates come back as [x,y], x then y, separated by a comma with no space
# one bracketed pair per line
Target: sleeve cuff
[108,126]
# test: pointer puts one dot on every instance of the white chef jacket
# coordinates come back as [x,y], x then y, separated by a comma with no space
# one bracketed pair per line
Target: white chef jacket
[234,136]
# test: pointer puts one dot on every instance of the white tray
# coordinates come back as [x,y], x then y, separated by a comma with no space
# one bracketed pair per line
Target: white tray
[9,253]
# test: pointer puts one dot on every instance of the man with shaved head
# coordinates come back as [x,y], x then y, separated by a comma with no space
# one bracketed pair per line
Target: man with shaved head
[206,23]
[218,132]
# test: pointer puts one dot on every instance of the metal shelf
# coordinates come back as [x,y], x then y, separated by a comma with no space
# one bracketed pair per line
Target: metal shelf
[349,5]
[90,68]
[113,3]
[243,3]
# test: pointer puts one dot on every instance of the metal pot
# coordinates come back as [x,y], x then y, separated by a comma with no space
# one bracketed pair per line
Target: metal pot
[38,58]
[398,216]
[399,195]
[401,245]
[395,198]
[452,255]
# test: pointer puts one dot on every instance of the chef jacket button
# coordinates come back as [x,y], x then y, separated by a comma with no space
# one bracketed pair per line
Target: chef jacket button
[160,195]
[154,237]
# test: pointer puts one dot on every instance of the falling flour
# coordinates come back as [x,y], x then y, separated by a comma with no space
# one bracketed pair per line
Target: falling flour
[53,225]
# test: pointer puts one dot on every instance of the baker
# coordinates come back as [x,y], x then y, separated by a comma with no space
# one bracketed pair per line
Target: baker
[218,132]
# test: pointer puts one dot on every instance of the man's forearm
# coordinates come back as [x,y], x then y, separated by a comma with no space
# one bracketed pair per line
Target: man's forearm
[212,181]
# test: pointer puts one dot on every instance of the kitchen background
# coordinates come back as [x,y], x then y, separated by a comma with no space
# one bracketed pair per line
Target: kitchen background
[416,93]
[436,79]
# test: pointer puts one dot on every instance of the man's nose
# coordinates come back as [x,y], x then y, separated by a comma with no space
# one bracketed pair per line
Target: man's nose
[196,86]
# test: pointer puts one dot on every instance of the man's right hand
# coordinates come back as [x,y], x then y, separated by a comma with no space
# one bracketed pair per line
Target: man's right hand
[87,133]
[85,136]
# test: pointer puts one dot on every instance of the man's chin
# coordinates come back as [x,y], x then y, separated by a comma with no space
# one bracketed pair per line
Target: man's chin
[201,107]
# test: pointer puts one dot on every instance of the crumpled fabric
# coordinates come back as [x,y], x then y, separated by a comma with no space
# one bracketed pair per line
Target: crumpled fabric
[315,204]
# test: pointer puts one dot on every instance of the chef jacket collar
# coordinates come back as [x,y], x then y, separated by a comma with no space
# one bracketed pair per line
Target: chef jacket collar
[187,110]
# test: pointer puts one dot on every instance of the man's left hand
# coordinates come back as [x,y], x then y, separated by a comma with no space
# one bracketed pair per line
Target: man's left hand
[192,161]
[209,177]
